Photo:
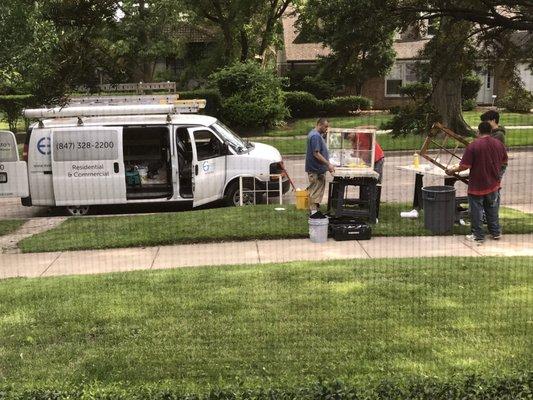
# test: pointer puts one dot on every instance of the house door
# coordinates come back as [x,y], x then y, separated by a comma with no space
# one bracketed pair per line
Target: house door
[484,96]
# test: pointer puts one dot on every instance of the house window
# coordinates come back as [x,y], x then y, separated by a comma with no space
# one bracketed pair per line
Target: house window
[394,81]
[400,74]
[432,27]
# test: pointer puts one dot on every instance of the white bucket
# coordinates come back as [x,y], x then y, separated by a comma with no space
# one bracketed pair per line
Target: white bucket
[318,230]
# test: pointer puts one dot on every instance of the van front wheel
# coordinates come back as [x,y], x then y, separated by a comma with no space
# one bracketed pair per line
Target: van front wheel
[233,196]
[77,211]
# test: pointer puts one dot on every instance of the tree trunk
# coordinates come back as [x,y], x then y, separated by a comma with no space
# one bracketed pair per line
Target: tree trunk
[446,99]
[245,48]
[449,61]
[228,43]
[358,88]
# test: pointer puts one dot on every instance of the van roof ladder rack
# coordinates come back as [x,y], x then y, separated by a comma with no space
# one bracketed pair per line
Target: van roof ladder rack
[123,100]
[178,107]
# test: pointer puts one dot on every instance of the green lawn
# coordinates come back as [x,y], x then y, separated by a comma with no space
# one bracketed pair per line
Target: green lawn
[271,326]
[10,225]
[223,224]
[514,137]
[302,126]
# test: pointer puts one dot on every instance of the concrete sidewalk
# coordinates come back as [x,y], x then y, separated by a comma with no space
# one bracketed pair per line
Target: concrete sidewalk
[253,252]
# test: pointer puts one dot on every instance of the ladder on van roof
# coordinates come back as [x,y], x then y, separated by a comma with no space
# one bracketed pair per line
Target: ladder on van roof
[99,106]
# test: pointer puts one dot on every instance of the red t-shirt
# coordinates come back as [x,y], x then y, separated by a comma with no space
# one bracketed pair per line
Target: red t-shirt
[378,153]
[364,143]
[485,157]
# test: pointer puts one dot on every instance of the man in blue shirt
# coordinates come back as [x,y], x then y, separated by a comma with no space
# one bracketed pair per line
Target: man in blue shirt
[316,165]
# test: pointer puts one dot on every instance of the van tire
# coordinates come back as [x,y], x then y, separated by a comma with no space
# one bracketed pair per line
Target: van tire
[77,211]
[232,194]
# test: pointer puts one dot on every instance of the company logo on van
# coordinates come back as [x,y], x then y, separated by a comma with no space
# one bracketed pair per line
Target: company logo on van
[43,146]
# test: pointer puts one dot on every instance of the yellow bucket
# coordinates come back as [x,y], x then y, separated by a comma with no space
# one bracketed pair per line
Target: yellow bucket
[302,199]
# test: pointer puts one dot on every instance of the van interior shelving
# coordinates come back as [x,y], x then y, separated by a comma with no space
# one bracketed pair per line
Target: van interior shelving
[147,162]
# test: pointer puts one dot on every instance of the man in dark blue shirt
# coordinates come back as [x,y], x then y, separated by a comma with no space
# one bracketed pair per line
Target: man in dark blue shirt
[316,165]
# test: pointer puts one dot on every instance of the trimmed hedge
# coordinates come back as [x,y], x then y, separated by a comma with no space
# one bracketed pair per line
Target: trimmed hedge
[470,87]
[418,91]
[317,87]
[345,105]
[302,104]
[517,99]
[305,105]
[472,388]
[212,97]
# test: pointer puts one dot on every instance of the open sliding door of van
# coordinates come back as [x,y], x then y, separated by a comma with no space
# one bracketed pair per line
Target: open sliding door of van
[13,173]
[88,166]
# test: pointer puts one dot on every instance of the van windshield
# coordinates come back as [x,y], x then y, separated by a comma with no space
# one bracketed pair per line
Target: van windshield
[238,144]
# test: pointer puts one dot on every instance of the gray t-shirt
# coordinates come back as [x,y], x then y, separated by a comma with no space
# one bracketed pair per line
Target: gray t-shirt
[315,142]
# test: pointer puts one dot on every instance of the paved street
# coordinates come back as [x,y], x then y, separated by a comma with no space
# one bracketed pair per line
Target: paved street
[397,187]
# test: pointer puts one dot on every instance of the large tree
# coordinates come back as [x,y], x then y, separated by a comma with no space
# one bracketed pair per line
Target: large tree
[49,47]
[247,27]
[359,32]
[144,33]
[466,31]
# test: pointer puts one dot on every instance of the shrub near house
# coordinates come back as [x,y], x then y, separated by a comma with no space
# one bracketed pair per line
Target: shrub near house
[251,96]
[305,105]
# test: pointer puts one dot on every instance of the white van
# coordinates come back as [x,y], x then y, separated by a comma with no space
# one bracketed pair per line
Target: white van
[81,156]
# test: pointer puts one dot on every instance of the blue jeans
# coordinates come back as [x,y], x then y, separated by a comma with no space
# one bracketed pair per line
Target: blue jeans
[490,205]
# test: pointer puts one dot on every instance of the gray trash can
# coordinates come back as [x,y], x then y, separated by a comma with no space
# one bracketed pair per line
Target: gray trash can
[439,208]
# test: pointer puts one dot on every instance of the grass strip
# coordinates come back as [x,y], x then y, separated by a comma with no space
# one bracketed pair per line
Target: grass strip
[277,325]
[224,224]
[303,126]
[10,225]
[514,138]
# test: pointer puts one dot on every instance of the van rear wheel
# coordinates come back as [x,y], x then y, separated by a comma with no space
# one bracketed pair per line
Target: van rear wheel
[77,211]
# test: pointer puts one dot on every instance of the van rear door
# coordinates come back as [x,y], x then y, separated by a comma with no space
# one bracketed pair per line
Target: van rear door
[88,166]
[13,172]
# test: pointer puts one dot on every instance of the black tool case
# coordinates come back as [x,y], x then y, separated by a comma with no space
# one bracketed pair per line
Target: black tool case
[349,229]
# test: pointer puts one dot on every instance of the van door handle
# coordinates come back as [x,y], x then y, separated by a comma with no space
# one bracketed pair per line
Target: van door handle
[196,169]
[116,168]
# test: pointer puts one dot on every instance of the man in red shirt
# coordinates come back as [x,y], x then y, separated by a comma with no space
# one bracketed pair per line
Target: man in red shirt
[486,158]
[361,141]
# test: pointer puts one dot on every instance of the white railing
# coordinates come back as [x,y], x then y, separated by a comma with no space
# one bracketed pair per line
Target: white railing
[266,191]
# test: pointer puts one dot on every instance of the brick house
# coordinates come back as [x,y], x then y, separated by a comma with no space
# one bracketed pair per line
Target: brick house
[384,91]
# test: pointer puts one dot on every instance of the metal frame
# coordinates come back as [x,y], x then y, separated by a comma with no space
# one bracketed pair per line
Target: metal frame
[255,191]
[431,139]
[361,130]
